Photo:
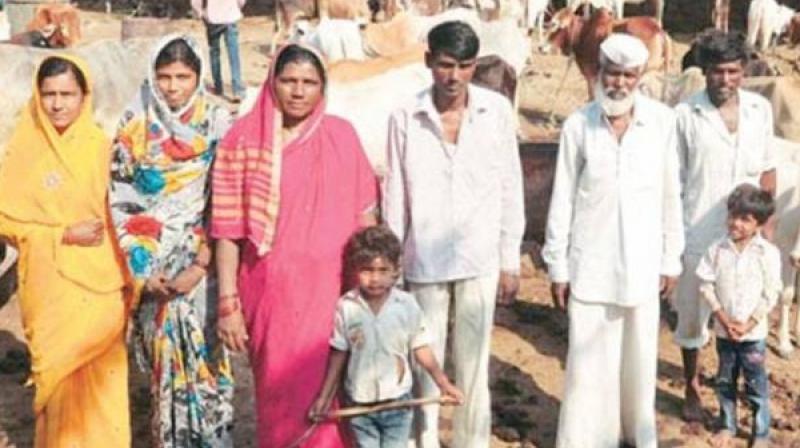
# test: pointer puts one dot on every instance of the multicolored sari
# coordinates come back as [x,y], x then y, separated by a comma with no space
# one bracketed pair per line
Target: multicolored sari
[71,297]
[292,205]
[159,191]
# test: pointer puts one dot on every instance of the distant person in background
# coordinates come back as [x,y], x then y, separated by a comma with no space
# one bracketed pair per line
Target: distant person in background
[221,18]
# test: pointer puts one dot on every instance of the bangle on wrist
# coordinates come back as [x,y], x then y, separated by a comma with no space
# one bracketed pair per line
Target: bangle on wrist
[226,297]
[227,307]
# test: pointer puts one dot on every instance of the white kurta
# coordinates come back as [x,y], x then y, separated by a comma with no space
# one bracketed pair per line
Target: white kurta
[713,162]
[614,226]
[615,213]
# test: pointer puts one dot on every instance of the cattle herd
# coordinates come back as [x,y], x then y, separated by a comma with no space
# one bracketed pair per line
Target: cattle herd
[372,46]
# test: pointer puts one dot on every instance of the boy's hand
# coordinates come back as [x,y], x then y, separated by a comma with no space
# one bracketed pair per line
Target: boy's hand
[738,330]
[451,393]
[726,323]
[319,410]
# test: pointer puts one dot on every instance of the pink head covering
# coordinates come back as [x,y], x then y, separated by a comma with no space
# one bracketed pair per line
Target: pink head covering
[246,176]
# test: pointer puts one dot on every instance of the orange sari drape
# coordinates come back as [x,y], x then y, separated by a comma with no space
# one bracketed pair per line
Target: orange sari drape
[71,297]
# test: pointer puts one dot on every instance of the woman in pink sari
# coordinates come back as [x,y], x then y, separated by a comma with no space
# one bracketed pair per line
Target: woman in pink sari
[290,185]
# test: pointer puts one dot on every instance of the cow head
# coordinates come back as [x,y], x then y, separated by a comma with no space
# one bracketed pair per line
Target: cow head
[59,24]
[794,30]
[561,30]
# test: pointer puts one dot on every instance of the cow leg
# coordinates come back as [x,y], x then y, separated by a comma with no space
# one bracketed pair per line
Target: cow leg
[726,10]
[796,325]
[659,7]
[784,338]
[785,348]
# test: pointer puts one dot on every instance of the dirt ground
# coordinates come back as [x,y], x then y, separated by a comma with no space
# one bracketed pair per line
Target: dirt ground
[529,340]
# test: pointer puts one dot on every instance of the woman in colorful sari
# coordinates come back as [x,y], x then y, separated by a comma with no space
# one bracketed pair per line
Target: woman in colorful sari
[290,185]
[162,156]
[53,209]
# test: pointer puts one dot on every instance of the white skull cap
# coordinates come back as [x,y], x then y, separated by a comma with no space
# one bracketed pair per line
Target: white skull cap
[624,50]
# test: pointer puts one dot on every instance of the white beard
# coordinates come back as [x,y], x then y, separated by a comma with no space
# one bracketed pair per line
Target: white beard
[612,107]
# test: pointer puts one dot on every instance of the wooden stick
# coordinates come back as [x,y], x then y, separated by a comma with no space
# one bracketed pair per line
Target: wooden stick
[398,404]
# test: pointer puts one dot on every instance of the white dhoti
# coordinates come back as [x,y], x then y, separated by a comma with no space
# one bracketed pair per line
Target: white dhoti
[693,311]
[474,303]
[610,387]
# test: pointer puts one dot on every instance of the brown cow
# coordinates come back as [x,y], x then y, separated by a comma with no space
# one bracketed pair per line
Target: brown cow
[574,35]
[794,30]
[58,23]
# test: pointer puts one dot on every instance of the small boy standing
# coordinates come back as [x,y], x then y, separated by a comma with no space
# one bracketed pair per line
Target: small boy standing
[377,328]
[740,280]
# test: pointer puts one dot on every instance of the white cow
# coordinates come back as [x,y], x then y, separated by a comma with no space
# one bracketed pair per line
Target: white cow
[335,38]
[369,112]
[786,237]
[5,29]
[499,37]
[767,20]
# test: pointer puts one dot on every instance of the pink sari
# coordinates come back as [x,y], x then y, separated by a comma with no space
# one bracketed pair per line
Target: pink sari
[289,293]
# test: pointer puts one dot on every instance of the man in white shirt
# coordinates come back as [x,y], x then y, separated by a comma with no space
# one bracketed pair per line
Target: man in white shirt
[453,194]
[613,243]
[724,138]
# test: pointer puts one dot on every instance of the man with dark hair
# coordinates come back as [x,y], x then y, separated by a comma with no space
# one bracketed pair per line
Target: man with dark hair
[725,139]
[453,194]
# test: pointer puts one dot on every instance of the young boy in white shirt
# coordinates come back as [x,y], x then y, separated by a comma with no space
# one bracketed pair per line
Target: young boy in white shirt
[377,329]
[740,280]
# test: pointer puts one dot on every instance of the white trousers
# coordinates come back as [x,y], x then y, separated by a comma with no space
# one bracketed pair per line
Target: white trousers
[474,302]
[610,387]
[693,311]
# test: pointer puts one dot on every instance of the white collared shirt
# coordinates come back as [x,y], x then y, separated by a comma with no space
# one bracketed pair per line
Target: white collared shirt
[219,11]
[743,284]
[457,208]
[379,345]
[615,214]
[714,161]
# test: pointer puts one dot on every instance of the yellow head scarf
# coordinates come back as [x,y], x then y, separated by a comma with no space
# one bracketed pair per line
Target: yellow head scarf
[57,180]
[41,164]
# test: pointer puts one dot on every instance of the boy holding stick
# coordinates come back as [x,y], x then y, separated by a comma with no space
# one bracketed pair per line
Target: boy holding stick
[377,329]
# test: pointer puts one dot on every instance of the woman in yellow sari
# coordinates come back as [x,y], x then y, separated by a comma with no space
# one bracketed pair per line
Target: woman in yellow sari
[53,209]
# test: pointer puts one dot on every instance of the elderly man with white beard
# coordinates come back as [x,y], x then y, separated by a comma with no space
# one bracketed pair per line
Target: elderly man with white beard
[613,244]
